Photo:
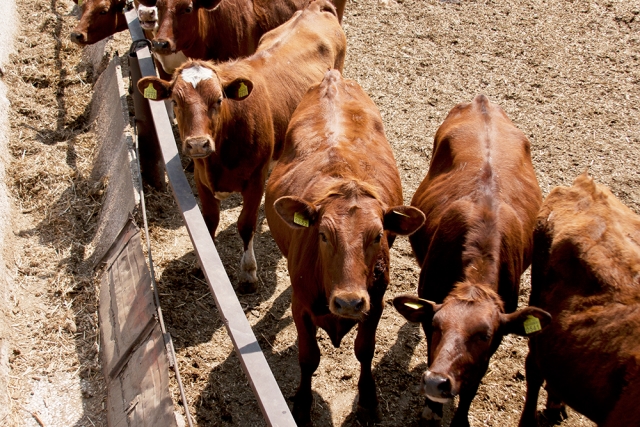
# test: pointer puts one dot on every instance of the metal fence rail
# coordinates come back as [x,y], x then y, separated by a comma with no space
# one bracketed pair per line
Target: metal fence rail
[272,403]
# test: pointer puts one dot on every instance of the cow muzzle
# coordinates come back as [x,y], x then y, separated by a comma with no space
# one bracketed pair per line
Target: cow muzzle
[353,305]
[198,147]
[162,46]
[148,17]
[437,387]
[78,38]
[148,25]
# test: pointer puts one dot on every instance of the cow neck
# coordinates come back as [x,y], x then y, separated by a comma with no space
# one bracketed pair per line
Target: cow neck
[220,21]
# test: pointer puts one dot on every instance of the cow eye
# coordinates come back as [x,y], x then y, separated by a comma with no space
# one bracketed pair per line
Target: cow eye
[323,237]
[189,9]
[482,336]
[377,239]
[219,101]
[104,12]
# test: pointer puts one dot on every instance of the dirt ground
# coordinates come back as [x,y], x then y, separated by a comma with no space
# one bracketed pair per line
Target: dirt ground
[567,73]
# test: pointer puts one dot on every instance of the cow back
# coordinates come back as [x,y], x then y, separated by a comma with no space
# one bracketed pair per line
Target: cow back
[585,273]
[481,162]
[332,139]
[296,55]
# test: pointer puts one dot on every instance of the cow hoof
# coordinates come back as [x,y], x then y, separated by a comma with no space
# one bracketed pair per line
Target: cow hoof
[302,417]
[368,416]
[247,287]
[555,415]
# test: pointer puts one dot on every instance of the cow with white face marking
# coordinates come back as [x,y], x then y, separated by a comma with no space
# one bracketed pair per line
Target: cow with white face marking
[233,116]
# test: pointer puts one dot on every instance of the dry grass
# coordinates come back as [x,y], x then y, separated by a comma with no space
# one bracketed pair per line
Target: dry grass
[54,365]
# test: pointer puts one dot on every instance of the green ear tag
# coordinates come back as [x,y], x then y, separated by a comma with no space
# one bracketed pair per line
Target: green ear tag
[79,3]
[300,219]
[150,92]
[413,305]
[531,325]
[242,92]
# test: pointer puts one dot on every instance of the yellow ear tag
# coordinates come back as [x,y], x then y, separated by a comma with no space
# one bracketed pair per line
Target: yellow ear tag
[150,92]
[413,305]
[300,219]
[400,213]
[531,325]
[79,3]
[242,92]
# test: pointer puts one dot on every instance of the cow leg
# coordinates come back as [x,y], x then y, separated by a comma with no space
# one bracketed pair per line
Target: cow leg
[461,417]
[248,281]
[555,410]
[309,359]
[210,207]
[534,382]
[365,344]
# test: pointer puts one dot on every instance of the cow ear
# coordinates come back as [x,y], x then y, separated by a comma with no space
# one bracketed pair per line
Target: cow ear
[296,212]
[238,89]
[525,322]
[415,309]
[154,88]
[403,220]
[208,4]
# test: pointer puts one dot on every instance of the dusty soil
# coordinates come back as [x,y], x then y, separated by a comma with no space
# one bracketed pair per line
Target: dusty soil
[567,73]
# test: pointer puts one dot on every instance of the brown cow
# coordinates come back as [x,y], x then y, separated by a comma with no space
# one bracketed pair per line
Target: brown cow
[99,19]
[334,206]
[586,273]
[480,198]
[233,116]
[221,30]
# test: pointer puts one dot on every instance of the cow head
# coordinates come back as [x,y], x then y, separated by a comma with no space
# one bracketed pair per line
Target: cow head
[350,226]
[200,98]
[178,23]
[148,17]
[100,19]
[465,330]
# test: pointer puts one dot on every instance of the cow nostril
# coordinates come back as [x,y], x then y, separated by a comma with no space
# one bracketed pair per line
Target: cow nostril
[436,385]
[355,304]
[160,44]
[76,37]
[444,386]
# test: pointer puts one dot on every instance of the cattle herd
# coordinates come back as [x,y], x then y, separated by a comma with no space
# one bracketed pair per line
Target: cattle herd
[257,86]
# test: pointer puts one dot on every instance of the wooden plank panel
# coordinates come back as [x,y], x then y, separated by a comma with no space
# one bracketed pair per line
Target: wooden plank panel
[143,381]
[126,300]
[134,360]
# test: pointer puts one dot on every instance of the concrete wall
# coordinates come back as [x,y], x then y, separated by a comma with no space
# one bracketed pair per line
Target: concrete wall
[8,30]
